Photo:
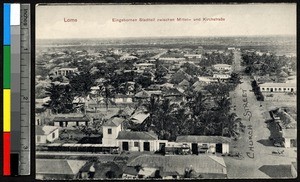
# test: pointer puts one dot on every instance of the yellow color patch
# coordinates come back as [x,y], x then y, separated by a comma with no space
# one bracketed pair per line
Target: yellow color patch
[6,110]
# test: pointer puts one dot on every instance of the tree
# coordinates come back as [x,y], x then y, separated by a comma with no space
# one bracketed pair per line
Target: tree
[107,92]
[233,126]
[196,104]
[81,84]
[235,78]
[61,98]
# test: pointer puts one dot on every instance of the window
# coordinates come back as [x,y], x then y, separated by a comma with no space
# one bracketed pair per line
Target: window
[279,89]
[267,88]
[263,88]
[53,135]
[109,131]
[136,144]
[288,88]
[38,138]
[284,89]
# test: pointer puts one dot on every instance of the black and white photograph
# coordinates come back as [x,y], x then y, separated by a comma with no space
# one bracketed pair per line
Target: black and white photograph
[165,91]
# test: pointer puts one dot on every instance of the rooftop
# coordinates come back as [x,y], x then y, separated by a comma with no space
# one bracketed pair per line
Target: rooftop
[278,85]
[70,117]
[202,139]
[58,166]
[200,163]
[136,135]
[44,130]
[114,121]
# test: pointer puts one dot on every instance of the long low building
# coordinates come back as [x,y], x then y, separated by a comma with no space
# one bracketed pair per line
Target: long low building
[205,144]
[278,87]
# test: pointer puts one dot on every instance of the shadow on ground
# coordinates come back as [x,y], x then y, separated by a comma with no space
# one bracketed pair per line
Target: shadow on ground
[277,171]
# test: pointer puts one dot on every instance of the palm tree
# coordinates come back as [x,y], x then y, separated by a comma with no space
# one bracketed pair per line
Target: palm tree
[196,104]
[107,92]
[233,126]
[60,98]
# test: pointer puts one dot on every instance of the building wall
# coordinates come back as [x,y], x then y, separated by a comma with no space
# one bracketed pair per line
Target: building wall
[42,139]
[154,145]
[211,146]
[287,142]
[222,68]
[70,123]
[278,89]
[225,148]
[51,138]
[110,139]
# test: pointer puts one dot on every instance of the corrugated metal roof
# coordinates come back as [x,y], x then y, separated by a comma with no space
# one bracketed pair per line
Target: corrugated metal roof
[136,135]
[58,166]
[202,139]
[200,163]
[115,121]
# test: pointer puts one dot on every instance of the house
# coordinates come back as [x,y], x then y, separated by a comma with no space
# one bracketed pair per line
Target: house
[222,67]
[290,137]
[100,170]
[142,95]
[122,99]
[206,80]
[221,76]
[137,141]
[139,117]
[144,66]
[174,95]
[111,129]
[179,76]
[45,134]
[69,120]
[278,87]
[191,56]
[209,165]
[58,169]
[65,71]
[205,144]
[184,84]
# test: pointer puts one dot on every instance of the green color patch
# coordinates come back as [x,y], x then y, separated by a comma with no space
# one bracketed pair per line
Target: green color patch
[6,67]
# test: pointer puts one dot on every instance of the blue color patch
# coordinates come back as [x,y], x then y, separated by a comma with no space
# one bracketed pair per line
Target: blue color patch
[6,24]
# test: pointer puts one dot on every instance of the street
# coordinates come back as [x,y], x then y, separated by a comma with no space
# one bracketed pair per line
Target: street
[253,144]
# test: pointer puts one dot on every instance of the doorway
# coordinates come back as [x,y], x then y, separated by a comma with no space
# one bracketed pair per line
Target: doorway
[125,146]
[219,148]
[195,148]
[146,146]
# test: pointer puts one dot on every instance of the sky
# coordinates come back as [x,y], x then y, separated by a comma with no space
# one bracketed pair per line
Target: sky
[95,21]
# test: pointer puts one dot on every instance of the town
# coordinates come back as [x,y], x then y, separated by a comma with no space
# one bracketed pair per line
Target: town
[139,109]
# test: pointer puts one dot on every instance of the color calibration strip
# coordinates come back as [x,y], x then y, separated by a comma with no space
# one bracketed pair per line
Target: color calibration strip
[11,87]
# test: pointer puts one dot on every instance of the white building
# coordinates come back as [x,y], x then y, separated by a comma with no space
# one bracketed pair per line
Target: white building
[290,137]
[205,144]
[222,67]
[278,87]
[111,130]
[144,66]
[65,71]
[221,76]
[191,56]
[138,141]
[45,134]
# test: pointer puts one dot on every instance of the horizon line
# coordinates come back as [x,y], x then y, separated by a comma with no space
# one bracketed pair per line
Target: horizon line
[188,36]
